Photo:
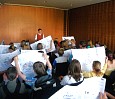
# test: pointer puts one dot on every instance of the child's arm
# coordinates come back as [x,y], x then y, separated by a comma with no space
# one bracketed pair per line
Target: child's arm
[48,50]
[105,66]
[47,61]
[18,69]
[87,74]
[110,96]
[102,96]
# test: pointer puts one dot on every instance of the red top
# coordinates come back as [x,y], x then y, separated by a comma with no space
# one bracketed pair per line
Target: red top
[39,37]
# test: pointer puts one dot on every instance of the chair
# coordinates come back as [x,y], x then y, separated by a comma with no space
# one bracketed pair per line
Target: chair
[61,69]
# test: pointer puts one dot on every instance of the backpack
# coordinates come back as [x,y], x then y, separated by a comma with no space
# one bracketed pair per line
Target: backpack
[44,81]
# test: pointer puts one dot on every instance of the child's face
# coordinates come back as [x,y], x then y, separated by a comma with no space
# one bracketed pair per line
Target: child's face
[110,57]
[40,47]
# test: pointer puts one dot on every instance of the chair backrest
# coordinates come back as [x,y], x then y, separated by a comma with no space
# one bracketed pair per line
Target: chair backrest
[61,69]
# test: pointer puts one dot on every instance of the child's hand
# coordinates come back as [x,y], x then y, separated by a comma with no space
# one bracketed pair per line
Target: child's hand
[45,56]
[5,77]
[106,59]
[102,96]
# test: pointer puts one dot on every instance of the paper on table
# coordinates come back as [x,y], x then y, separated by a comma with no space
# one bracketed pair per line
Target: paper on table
[88,89]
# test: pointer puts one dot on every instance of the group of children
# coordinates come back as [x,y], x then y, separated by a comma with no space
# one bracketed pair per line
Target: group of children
[45,74]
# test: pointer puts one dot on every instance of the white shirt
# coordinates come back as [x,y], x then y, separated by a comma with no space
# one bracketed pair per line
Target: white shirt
[69,80]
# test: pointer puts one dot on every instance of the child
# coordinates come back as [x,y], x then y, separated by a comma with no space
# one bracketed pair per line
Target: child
[61,58]
[96,70]
[44,77]
[11,84]
[74,73]
[40,71]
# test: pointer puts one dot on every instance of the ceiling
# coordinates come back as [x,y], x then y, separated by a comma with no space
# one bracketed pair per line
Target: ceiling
[60,4]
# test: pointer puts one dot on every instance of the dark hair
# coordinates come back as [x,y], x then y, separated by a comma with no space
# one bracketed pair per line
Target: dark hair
[11,73]
[110,55]
[61,51]
[12,47]
[83,43]
[74,69]
[39,68]
[39,29]
[23,42]
[97,66]
[39,48]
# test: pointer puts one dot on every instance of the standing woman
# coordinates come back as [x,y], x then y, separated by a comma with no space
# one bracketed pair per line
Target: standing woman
[39,35]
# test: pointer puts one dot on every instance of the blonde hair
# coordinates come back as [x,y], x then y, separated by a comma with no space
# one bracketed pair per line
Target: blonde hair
[97,66]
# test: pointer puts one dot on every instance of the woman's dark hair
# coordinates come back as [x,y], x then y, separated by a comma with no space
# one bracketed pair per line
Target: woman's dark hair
[39,68]
[74,69]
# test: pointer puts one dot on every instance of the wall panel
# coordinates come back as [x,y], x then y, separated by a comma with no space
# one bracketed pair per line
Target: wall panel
[22,22]
[95,22]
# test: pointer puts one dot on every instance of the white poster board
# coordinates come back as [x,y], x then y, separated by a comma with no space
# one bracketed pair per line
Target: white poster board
[17,45]
[4,49]
[87,56]
[68,38]
[45,42]
[88,89]
[67,53]
[26,60]
[6,59]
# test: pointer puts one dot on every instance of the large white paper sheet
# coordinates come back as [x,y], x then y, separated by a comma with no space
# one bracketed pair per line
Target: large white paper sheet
[26,60]
[68,38]
[87,56]
[45,42]
[17,45]
[4,49]
[67,53]
[6,59]
[88,89]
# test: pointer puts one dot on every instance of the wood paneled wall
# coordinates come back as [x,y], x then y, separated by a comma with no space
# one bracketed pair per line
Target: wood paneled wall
[22,22]
[95,22]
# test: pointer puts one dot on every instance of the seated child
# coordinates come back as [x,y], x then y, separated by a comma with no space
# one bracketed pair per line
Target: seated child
[11,83]
[44,77]
[96,70]
[39,68]
[61,58]
[74,74]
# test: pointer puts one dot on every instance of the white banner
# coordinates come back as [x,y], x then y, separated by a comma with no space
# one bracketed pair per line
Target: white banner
[68,38]
[87,56]
[45,42]
[26,60]
[4,49]
[6,59]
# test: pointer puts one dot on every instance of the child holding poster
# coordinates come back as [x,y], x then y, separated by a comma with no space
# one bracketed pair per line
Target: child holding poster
[97,71]
[42,75]
[40,71]
[74,74]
